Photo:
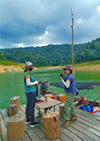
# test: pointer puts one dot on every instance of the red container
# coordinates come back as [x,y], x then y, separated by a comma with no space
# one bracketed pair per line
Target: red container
[40,101]
[93,112]
[53,97]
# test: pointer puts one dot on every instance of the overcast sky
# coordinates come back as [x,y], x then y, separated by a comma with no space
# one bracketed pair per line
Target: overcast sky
[42,22]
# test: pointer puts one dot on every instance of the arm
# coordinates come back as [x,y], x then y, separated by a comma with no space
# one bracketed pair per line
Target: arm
[29,83]
[67,83]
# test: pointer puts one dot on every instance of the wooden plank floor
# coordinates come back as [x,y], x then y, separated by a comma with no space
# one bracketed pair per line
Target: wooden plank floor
[86,128]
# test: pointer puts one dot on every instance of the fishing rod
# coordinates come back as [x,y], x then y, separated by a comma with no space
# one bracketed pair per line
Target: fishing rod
[89,89]
[82,99]
[96,99]
[94,86]
[96,94]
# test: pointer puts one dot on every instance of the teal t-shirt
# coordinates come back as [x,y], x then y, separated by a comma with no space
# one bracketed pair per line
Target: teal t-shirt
[29,89]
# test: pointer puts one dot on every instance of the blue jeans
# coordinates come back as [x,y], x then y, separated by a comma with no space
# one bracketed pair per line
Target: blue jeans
[30,107]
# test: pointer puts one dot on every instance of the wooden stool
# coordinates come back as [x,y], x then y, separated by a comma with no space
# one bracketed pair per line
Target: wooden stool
[16,100]
[61,109]
[51,125]
[16,127]
[12,109]
[0,128]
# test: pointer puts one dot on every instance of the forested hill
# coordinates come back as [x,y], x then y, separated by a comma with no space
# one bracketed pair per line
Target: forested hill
[41,56]
[88,51]
[51,55]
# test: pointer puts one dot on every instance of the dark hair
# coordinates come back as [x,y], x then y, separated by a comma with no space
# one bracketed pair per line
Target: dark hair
[71,71]
[25,70]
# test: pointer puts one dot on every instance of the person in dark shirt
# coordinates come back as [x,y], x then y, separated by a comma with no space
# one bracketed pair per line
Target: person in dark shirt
[71,90]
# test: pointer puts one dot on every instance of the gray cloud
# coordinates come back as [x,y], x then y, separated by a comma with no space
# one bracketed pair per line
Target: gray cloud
[41,22]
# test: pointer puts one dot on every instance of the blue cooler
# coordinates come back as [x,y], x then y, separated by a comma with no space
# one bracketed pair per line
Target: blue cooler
[88,108]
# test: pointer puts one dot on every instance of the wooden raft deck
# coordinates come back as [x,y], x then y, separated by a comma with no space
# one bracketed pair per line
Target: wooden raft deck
[86,128]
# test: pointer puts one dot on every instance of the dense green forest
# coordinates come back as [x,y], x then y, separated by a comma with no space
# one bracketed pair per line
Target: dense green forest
[53,55]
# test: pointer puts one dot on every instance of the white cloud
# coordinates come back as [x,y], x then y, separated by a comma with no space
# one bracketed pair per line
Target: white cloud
[98,8]
[20,45]
[40,22]
[79,21]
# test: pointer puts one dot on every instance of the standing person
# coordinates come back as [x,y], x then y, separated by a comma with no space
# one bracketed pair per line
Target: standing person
[71,90]
[29,84]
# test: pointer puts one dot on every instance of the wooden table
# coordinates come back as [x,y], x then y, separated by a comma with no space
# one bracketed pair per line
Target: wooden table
[51,103]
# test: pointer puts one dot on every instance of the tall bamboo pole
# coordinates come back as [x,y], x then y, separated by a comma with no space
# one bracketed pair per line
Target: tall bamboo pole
[72,27]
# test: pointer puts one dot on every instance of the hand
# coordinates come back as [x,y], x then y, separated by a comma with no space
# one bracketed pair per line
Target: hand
[62,78]
[77,93]
[37,82]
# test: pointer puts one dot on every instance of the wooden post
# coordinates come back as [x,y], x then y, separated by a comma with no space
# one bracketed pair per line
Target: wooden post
[51,125]
[16,100]
[72,27]
[16,127]
[0,128]
[12,109]
[61,109]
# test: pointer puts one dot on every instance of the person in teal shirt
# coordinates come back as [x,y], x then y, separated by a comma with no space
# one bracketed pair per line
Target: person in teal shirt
[30,84]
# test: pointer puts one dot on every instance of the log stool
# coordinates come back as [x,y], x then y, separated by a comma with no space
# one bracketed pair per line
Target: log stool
[0,128]
[16,100]
[16,127]
[51,125]
[61,109]
[12,109]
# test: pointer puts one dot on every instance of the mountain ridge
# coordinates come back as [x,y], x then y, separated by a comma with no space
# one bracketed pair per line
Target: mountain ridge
[54,55]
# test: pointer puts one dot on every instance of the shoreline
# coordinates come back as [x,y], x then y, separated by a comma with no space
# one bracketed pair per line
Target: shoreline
[78,67]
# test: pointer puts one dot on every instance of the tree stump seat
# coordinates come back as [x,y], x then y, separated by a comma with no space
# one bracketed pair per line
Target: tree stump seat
[51,125]
[12,109]
[16,127]
[16,100]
